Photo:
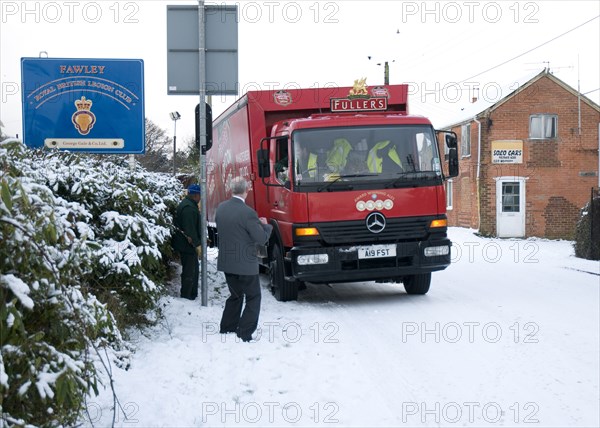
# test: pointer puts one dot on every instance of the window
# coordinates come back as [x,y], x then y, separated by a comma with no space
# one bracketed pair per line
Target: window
[465,140]
[281,159]
[449,196]
[543,126]
[364,154]
[510,197]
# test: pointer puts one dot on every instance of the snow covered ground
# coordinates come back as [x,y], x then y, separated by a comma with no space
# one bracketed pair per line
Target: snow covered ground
[508,335]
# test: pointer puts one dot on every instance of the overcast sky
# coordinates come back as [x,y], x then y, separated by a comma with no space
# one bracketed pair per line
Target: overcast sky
[435,46]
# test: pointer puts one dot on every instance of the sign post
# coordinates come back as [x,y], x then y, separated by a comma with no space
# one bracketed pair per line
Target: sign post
[202,66]
[202,114]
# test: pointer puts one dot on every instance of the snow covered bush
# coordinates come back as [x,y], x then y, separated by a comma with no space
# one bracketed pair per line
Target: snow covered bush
[587,234]
[84,253]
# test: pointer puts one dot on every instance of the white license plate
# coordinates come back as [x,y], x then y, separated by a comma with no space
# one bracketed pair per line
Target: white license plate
[377,251]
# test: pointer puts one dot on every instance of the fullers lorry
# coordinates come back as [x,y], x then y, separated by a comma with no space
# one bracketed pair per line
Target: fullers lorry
[352,184]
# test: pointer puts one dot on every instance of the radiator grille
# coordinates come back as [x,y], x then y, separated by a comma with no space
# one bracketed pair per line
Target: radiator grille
[396,230]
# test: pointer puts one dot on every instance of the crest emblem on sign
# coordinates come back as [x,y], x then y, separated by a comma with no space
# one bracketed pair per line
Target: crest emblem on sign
[83,118]
[380,91]
[283,98]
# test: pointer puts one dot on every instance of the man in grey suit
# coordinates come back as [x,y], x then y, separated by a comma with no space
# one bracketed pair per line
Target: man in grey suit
[240,231]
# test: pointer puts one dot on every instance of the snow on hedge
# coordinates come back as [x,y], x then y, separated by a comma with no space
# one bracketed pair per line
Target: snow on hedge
[84,253]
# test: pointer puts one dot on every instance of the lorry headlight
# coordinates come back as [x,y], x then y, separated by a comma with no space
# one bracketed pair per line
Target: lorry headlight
[312,259]
[442,250]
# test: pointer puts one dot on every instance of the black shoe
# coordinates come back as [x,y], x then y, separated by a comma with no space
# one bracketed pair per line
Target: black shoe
[251,338]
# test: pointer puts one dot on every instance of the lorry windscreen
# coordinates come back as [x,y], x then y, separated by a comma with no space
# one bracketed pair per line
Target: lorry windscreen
[339,156]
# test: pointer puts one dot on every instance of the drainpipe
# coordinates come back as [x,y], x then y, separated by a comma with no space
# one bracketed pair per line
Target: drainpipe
[478,172]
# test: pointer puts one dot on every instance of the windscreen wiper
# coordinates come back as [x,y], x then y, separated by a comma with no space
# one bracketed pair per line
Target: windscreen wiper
[339,177]
[412,176]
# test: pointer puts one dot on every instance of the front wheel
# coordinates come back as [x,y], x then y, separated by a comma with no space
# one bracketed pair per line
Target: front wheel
[283,290]
[417,284]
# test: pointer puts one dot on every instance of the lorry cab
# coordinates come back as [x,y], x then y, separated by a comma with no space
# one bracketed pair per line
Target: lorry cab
[354,179]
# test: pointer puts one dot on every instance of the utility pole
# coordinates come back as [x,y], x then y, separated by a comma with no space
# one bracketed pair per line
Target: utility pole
[386,70]
[386,74]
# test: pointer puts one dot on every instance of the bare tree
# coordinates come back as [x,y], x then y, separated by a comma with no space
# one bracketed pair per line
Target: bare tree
[158,147]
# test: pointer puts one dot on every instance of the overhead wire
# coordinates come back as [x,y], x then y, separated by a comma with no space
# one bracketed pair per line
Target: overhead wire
[531,50]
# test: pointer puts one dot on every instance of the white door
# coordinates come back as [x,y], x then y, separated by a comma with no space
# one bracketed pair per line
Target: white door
[510,207]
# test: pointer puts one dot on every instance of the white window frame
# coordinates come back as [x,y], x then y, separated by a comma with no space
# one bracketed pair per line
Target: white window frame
[545,117]
[465,140]
[449,194]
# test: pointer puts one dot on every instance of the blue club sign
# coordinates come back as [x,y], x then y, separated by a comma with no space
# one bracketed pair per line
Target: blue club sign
[87,105]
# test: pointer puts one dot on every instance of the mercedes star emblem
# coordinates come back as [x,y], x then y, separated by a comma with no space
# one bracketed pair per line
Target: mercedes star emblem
[375,222]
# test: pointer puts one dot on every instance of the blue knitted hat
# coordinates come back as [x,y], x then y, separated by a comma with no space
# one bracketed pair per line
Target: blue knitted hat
[194,189]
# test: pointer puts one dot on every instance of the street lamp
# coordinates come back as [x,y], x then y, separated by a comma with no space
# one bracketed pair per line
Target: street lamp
[175,116]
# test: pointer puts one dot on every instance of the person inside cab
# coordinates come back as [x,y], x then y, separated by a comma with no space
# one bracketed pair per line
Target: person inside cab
[306,163]
[384,157]
[337,157]
[357,159]
[322,164]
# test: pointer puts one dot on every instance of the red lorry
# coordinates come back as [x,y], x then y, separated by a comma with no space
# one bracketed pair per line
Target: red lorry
[352,184]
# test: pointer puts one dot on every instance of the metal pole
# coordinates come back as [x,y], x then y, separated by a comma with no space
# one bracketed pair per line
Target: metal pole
[202,118]
[174,145]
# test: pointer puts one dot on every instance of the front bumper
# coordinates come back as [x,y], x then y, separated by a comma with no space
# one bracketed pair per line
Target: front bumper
[344,264]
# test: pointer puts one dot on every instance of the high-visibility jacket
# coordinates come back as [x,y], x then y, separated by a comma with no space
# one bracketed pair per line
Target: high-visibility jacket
[338,155]
[312,165]
[375,158]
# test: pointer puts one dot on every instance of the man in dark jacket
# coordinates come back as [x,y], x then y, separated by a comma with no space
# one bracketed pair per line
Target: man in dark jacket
[186,239]
[240,232]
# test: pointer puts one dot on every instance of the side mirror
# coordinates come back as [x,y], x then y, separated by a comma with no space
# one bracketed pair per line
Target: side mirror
[453,162]
[451,141]
[209,133]
[262,156]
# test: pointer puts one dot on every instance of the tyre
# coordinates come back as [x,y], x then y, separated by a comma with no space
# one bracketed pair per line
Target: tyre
[417,284]
[283,290]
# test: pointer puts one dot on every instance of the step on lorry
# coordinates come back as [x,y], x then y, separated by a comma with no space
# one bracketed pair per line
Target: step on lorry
[353,185]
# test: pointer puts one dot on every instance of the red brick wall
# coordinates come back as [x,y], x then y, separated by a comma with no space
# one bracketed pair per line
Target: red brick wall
[555,188]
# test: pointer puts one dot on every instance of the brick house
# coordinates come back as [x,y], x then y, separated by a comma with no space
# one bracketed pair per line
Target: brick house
[528,162]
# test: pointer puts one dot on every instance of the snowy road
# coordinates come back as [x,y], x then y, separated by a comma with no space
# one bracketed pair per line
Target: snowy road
[507,336]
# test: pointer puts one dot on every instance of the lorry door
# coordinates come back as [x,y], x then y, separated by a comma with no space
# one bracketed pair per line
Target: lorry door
[280,196]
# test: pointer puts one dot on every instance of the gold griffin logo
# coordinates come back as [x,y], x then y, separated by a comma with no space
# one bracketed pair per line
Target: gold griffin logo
[359,89]
[83,118]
